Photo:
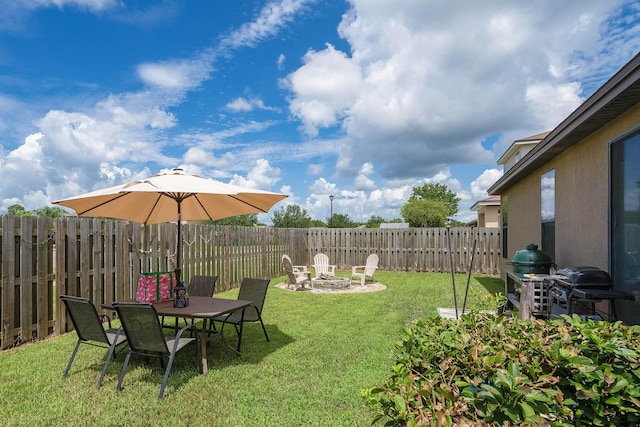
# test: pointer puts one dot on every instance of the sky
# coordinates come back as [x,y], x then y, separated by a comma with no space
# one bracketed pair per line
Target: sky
[360,99]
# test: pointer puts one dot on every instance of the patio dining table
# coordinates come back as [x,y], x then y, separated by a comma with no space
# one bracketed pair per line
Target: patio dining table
[205,308]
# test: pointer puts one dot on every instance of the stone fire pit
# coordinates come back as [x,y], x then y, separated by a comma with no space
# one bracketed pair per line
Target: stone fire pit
[334,285]
[331,282]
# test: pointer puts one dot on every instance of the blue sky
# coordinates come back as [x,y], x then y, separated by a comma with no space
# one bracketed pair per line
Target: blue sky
[362,99]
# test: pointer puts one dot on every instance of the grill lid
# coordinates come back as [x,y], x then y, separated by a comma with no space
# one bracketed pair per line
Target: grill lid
[584,275]
[531,256]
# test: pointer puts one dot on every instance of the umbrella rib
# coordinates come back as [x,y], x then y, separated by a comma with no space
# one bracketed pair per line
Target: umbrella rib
[248,204]
[102,204]
[203,208]
[153,208]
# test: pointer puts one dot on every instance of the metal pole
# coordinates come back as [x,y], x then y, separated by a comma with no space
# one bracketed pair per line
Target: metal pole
[331,203]
[453,279]
[473,254]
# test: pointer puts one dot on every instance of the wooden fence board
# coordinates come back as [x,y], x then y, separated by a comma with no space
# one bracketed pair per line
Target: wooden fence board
[25,289]
[8,278]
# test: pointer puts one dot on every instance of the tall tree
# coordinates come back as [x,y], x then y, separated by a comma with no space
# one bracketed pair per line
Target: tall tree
[293,216]
[439,192]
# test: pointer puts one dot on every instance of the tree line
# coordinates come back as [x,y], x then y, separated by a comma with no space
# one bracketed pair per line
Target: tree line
[430,205]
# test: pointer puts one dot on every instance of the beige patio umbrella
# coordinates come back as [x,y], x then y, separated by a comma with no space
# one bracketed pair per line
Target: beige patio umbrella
[174,196]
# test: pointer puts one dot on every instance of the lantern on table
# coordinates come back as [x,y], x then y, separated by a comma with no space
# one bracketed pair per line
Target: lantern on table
[180,296]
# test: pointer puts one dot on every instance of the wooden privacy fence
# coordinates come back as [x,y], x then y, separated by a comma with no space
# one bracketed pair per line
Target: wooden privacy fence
[408,249]
[42,258]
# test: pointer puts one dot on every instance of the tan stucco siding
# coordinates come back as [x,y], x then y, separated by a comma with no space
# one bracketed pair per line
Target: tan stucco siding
[523,215]
[581,199]
[581,204]
[492,217]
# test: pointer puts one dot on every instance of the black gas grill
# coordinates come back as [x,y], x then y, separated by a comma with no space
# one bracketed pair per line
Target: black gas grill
[579,289]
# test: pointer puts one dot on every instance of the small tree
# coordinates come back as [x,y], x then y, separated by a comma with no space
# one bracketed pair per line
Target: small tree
[250,220]
[17,210]
[425,213]
[430,206]
[50,211]
[374,221]
[293,216]
[341,221]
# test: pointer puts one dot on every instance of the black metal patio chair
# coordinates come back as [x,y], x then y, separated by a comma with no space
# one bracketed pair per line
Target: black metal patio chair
[146,338]
[254,290]
[89,326]
[199,286]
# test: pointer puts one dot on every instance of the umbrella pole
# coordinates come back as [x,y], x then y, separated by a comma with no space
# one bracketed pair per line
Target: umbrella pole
[179,249]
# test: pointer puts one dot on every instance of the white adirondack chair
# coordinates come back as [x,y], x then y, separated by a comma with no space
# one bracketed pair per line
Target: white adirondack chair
[296,278]
[297,269]
[367,270]
[322,266]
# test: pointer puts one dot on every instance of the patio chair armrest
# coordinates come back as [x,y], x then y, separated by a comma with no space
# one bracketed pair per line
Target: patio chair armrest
[104,317]
[357,267]
[299,268]
[186,328]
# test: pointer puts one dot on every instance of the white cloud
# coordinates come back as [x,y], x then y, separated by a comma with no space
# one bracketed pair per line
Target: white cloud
[74,152]
[204,159]
[273,16]
[92,5]
[175,75]
[324,88]
[15,12]
[245,105]
[363,180]
[481,184]
[426,82]
[262,176]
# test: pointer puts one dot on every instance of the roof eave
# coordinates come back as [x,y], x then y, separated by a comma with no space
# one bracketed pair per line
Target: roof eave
[617,95]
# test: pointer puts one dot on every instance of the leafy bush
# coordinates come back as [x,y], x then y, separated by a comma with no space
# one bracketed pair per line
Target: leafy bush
[486,370]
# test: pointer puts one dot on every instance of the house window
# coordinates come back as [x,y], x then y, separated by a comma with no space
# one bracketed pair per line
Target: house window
[518,156]
[624,196]
[548,213]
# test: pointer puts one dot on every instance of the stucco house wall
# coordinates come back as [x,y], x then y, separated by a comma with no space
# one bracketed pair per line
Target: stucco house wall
[523,203]
[581,200]
[491,217]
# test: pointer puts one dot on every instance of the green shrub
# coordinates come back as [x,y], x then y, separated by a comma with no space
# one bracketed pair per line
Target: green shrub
[486,370]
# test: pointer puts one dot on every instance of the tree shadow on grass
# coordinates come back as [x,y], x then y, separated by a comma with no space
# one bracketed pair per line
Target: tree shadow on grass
[255,347]
[493,285]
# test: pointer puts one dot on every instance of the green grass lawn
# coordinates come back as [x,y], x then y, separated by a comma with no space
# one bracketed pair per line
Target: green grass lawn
[324,349]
